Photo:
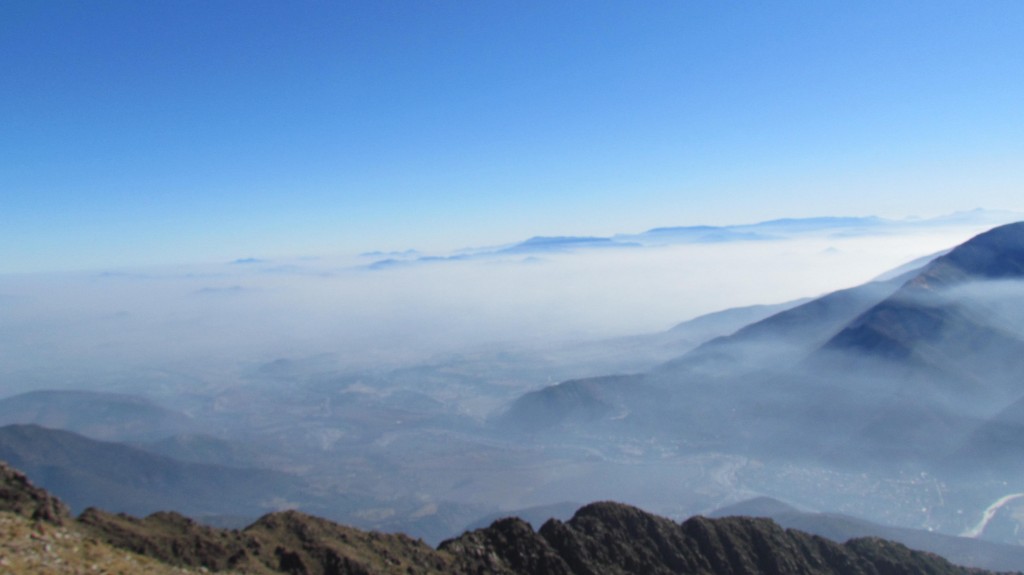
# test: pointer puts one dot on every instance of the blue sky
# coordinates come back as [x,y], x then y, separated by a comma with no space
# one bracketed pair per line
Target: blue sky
[160,132]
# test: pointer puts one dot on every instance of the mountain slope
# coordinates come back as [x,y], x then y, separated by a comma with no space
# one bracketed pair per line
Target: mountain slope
[995,448]
[917,313]
[706,397]
[99,415]
[85,472]
[785,337]
[894,373]
[32,548]
[39,537]
[939,354]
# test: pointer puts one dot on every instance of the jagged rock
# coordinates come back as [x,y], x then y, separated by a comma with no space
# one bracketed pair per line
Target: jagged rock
[507,546]
[601,539]
[614,539]
[19,496]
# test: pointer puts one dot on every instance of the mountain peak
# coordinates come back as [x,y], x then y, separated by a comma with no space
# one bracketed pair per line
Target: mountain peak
[995,254]
[896,326]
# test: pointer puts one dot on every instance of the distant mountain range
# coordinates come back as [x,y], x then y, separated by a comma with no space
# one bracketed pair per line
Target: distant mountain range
[762,231]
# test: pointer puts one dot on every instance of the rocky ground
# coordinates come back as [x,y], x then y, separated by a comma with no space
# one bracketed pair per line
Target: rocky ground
[31,547]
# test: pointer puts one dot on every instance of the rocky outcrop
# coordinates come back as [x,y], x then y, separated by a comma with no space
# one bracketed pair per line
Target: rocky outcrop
[615,539]
[601,539]
[285,542]
[293,542]
[173,539]
[19,496]
[30,547]
[507,546]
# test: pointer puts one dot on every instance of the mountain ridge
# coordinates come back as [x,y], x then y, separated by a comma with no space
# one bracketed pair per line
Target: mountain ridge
[604,537]
[928,385]
[916,312]
[124,478]
[769,230]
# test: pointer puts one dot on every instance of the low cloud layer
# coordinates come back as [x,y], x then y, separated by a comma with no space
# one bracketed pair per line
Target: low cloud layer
[59,328]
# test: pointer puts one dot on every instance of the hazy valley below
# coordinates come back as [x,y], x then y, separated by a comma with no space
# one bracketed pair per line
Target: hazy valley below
[845,366]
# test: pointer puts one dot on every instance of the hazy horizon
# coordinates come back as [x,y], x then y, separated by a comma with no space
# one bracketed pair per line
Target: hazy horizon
[81,325]
[203,132]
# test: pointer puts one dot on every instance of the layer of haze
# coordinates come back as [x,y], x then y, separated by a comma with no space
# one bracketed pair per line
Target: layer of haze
[75,330]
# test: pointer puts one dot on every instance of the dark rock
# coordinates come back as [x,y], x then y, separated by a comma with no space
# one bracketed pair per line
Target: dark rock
[615,539]
[507,546]
[19,496]
[601,539]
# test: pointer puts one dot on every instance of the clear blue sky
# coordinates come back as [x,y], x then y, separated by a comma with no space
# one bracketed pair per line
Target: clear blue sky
[185,131]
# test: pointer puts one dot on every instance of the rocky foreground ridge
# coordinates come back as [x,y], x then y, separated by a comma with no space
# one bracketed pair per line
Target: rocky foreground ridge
[39,536]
